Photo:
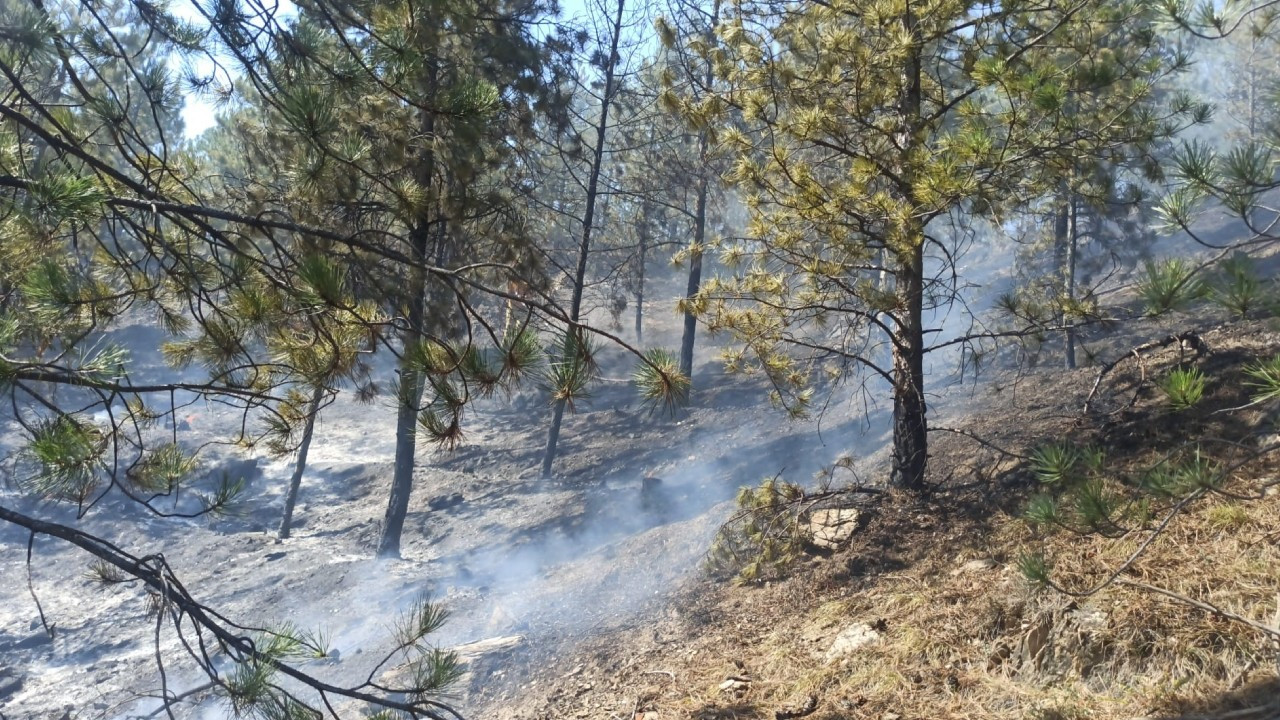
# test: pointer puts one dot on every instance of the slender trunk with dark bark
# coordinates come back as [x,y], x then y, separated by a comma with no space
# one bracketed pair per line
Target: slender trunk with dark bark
[644,248]
[300,463]
[1073,239]
[409,400]
[695,277]
[588,219]
[1065,237]
[910,411]
[699,222]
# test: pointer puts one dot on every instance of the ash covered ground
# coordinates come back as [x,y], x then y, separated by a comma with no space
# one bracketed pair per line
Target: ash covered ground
[551,561]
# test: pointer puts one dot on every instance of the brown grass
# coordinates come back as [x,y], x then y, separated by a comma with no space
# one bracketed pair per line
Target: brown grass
[951,638]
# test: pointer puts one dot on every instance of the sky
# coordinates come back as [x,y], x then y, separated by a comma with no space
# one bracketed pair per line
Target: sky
[198,111]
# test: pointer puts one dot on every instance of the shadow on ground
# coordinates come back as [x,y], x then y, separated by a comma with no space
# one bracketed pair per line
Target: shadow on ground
[1258,700]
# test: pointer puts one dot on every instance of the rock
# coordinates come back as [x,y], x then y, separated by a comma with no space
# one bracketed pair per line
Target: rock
[852,639]
[797,710]
[735,685]
[999,655]
[975,566]
[476,650]
[832,528]
[10,683]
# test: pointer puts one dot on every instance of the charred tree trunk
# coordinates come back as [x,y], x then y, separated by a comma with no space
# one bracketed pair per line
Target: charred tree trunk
[1073,239]
[910,423]
[699,223]
[300,463]
[695,277]
[910,426]
[1065,238]
[409,400]
[640,260]
[588,219]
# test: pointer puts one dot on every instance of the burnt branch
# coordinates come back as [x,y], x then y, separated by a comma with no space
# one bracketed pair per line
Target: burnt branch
[230,637]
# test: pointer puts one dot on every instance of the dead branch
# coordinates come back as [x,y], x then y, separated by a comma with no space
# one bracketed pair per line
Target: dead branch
[231,637]
[1187,339]
[1213,609]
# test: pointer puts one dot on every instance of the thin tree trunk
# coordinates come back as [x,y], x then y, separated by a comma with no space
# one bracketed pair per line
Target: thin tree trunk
[699,223]
[300,463]
[1065,239]
[1073,238]
[411,382]
[695,278]
[910,424]
[644,247]
[588,219]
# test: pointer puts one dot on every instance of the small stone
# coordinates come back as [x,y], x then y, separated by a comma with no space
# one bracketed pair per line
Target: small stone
[735,685]
[852,639]
[832,528]
[975,566]
[444,502]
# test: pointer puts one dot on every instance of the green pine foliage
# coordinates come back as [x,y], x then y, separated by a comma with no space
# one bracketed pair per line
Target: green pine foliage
[661,383]
[1183,387]
[852,127]
[765,535]
[1238,288]
[1264,379]
[1169,285]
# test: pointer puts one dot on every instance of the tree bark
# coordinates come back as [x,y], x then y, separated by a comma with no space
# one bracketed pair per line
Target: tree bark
[699,221]
[644,248]
[588,219]
[910,423]
[409,399]
[1065,239]
[300,463]
[910,426]
[695,276]
[1073,238]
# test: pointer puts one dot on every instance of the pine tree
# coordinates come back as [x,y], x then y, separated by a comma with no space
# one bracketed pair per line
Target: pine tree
[870,123]
[573,362]
[689,80]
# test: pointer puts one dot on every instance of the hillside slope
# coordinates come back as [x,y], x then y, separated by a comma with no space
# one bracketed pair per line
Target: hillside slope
[925,612]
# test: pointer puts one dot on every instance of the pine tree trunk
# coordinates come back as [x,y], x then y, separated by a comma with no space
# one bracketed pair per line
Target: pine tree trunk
[699,223]
[300,463]
[695,278]
[1065,237]
[1073,239]
[588,219]
[644,249]
[910,425]
[411,382]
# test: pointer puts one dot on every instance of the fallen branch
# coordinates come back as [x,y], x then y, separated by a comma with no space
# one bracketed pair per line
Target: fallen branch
[1188,338]
[1273,632]
[156,575]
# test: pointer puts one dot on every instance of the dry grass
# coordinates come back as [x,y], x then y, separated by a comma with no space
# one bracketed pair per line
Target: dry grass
[952,637]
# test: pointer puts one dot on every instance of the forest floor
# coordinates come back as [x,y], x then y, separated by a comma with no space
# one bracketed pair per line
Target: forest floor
[604,581]
[554,561]
[925,614]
